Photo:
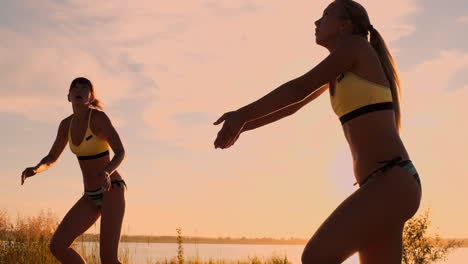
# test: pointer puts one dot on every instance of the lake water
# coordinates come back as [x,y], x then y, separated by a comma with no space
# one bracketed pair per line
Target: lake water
[141,252]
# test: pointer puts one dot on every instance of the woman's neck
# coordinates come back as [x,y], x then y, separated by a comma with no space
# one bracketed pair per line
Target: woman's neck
[80,111]
[332,44]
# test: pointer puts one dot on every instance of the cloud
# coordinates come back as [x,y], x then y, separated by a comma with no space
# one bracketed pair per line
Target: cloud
[48,44]
[434,100]
[393,20]
[430,80]
[430,102]
[232,7]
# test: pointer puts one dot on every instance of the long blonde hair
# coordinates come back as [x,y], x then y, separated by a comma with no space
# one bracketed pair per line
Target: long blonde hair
[359,18]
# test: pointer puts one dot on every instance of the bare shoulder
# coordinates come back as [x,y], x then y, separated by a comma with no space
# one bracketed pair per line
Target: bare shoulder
[100,121]
[100,116]
[65,123]
[363,55]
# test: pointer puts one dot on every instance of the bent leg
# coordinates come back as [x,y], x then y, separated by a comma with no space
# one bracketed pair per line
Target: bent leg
[78,219]
[113,210]
[382,204]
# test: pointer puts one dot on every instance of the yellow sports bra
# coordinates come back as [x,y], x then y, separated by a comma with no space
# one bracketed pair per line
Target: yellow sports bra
[354,96]
[91,146]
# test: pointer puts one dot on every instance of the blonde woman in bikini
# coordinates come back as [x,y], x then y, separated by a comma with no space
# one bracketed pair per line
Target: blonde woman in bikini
[90,135]
[364,89]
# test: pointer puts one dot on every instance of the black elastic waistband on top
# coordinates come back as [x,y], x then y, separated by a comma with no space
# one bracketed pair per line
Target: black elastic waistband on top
[366,109]
[94,156]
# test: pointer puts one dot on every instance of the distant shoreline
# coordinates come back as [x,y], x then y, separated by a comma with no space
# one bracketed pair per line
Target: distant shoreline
[221,240]
[202,240]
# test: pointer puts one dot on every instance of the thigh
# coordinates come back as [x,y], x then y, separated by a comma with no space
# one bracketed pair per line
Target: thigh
[388,249]
[113,210]
[382,204]
[78,219]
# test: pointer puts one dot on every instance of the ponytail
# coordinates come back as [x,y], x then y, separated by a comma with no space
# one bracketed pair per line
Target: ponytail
[96,103]
[390,69]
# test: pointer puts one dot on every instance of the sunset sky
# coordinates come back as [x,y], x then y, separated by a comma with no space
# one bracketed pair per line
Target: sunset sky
[166,70]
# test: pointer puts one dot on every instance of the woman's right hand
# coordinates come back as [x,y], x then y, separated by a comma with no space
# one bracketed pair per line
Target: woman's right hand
[233,125]
[28,172]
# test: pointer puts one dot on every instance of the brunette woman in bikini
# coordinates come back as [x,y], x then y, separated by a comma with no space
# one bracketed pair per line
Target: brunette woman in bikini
[90,134]
[364,90]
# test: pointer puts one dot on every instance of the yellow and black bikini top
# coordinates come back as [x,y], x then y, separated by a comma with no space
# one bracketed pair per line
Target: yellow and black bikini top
[354,96]
[91,146]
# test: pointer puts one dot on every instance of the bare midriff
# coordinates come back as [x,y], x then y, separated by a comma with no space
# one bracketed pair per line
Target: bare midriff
[373,139]
[90,169]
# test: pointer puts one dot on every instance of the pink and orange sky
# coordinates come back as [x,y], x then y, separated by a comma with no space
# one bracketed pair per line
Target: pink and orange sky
[166,70]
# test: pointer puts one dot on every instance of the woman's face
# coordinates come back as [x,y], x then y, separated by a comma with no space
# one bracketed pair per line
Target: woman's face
[80,94]
[330,26]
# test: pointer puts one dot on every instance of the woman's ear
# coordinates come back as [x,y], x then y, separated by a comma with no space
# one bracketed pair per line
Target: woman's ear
[68,97]
[346,26]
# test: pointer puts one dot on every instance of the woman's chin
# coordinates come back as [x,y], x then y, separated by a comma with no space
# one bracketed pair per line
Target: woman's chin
[80,103]
[318,41]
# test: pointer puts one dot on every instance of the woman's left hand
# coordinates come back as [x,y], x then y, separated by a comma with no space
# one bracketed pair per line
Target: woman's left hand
[232,127]
[106,181]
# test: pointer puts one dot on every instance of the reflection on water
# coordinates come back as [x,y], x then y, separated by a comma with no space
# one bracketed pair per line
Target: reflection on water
[142,252]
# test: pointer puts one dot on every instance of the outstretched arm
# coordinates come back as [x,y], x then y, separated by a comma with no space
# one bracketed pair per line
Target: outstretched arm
[296,90]
[54,153]
[275,116]
[340,60]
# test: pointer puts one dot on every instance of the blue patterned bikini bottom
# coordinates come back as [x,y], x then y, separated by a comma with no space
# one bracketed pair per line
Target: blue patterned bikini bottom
[388,164]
